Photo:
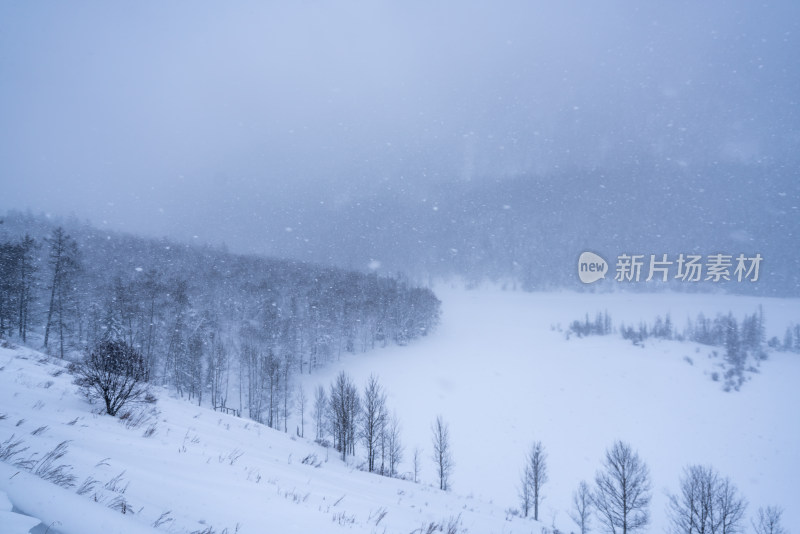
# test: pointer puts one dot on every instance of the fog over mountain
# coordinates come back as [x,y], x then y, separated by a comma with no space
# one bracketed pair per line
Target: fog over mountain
[422,137]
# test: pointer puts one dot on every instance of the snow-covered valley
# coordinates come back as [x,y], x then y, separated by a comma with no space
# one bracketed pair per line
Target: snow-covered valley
[500,370]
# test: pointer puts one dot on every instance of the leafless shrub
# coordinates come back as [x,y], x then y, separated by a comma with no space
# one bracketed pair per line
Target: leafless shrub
[115,373]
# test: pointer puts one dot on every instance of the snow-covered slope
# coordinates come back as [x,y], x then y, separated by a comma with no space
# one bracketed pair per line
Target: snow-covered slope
[199,470]
[498,372]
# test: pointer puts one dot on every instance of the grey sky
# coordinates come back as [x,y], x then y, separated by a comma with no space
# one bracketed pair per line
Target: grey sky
[201,118]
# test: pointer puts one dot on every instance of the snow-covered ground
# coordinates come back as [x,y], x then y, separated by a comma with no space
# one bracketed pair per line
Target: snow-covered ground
[500,373]
[199,470]
[502,377]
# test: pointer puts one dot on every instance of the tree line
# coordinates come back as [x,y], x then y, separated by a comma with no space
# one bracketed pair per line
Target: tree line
[229,329]
[619,500]
[742,341]
[357,421]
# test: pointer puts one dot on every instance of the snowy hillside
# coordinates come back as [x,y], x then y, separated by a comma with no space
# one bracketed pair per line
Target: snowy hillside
[199,471]
[502,374]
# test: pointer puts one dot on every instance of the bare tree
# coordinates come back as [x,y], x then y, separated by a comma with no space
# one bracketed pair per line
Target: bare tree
[114,372]
[374,419]
[525,495]
[622,495]
[707,503]
[394,445]
[286,389]
[195,346]
[271,369]
[692,510]
[769,521]
[442,454]
[320,408]
[343,407]
[27,283]
[416,460]
[64,262]
[534,476]
[353,409]
[731,508]
[581,507]
[10,260]
[217,375]
[301,402]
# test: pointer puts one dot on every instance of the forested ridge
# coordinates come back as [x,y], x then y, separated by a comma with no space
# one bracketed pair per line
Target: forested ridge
[209,324]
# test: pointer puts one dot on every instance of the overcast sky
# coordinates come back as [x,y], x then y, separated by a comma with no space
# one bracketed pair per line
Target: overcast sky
[197,118]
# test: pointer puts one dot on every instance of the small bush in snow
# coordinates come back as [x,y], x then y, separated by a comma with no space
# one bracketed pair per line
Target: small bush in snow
[115,373]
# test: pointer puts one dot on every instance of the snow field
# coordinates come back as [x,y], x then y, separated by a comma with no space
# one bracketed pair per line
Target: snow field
[200,470]
[501,374]
[502,377]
